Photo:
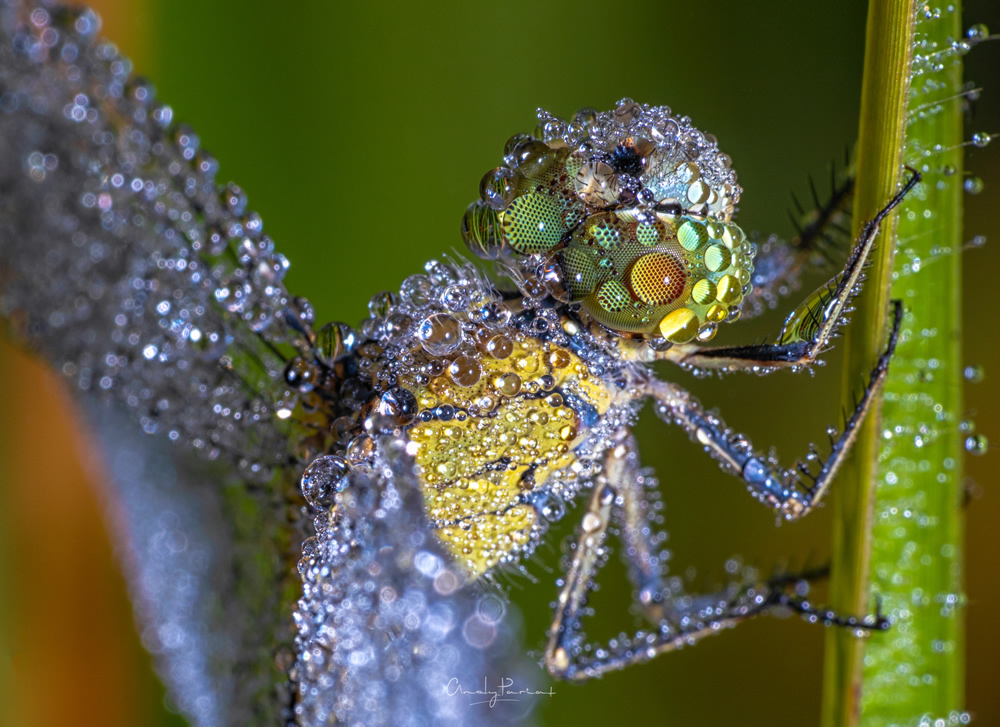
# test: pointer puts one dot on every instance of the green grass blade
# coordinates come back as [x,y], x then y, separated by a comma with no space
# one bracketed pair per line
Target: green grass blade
[917,669]
[888,49]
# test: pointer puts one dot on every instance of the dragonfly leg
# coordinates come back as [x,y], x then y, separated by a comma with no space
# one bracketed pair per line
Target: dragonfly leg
[785,490]
[820,229]
[678,619]
[809,330]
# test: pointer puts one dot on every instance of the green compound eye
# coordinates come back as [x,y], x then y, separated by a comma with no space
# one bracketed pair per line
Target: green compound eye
[658,278]
[717,258]
[606,233]
[533,223]
[647,234]
[670,270]
[692,235]
[613,296]
[580,273]
[672,276]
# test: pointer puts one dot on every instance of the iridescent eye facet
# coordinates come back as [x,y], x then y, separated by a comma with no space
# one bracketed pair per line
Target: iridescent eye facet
[579,272]
[613,296]
[657,278]
[533,223]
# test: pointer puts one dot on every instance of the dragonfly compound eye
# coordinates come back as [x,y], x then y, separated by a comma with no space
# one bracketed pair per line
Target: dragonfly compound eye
[634,207]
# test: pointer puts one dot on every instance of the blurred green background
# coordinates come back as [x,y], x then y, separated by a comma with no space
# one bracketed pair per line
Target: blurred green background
[360,132]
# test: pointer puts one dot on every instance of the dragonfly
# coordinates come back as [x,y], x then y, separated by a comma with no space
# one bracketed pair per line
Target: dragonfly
[155,290]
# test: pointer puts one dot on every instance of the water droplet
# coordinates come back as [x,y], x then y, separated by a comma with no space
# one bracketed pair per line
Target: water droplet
[977,444]
[981,139]
[440,334]
[597,184]
[508,384]
[510,149]
[974,373]
[977,32]
[973,185]
[455,298]
[334,341]
[399,404]
[500,347]
[479,231]
[323,479]
[301,374]
[361,449]
[552,508]
[494,315]
[397,325]
[707,332]
[529,157]
[534,288]
[497,187]
[417,290]
[628,112]
[465,371]
[380,304]
[585,116]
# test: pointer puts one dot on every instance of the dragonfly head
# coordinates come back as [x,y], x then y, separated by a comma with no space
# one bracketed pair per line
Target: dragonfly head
[627,213]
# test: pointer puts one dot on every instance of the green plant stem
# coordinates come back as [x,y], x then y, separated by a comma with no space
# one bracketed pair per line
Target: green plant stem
[888,49]
[917,669]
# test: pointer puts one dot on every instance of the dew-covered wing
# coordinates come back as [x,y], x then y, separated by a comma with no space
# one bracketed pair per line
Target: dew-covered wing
[153,290]
[388,632]
[158,295]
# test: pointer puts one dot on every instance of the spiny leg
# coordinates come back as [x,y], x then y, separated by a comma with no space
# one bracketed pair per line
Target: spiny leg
[779,264]
[781,489]
[635,514]
[566,655]
[808,330]
[680,619]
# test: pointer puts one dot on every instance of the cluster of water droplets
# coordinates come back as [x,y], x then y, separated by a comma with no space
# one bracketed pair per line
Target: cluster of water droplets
[386,622]
[924,433]
[448,327]
[147,282]
[129,265]
[686,164]
[933,93]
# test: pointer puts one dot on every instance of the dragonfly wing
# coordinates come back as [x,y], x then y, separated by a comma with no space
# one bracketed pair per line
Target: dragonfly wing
[156,292]
[127,265]
[386,617]
[209,569]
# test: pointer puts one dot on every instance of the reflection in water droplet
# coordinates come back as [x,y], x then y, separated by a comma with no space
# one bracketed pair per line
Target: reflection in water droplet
[973,185]
[981,139]
[974,373]
[977,444]
[465,371]
[440,334]
[552,508]
[977,32]
[323,479]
